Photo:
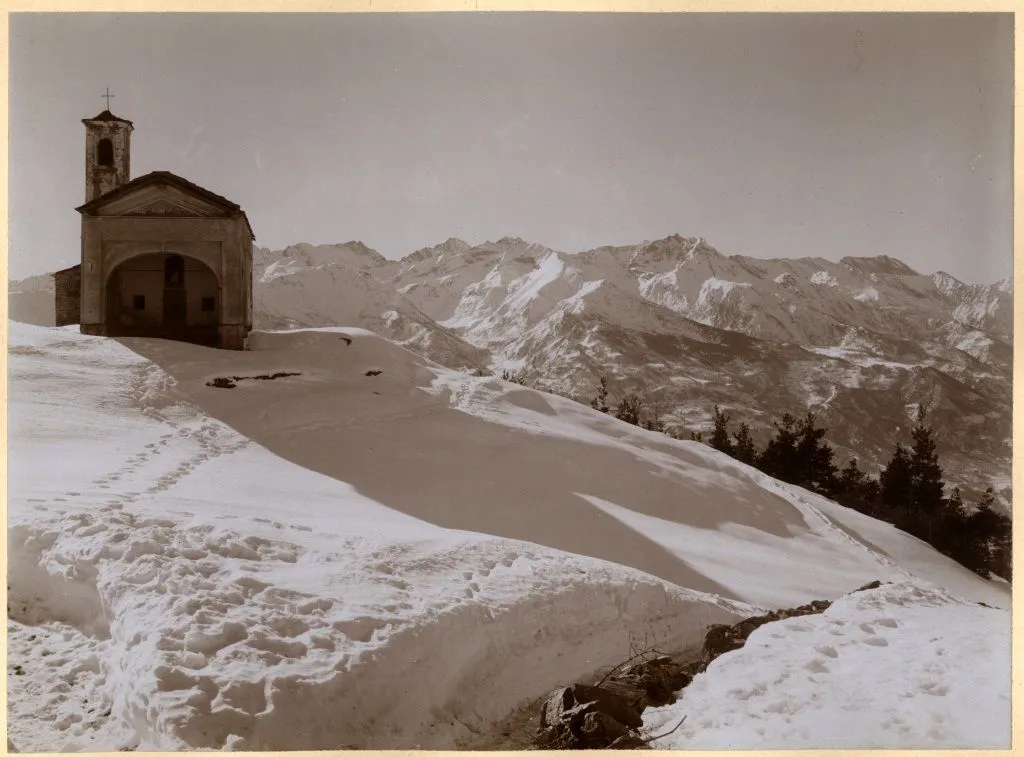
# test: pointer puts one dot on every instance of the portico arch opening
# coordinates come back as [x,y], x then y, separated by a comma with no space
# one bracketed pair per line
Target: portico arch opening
[164,295]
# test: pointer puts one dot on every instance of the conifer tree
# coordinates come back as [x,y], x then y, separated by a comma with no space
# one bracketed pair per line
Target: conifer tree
[654,423]
[926,475]
[600,402]
[856,489]
[629,408]
[1002,547]
[953,537]
[956,502]
[743,448]
[852,477]
[720,435]
[814,458]
[896,483]
[779,458]
[653,420]
[991,531]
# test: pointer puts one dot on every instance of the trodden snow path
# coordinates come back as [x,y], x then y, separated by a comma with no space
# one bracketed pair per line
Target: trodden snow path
[175,586]
[900,666]
[373,552]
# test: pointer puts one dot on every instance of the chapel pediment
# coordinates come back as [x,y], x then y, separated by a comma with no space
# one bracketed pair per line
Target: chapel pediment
[161,202]
[161,194]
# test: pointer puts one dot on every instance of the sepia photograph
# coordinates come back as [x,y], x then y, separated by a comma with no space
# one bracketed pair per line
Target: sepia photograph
[509,380]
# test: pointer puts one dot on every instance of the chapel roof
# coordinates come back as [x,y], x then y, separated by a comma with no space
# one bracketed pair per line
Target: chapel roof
[156,177]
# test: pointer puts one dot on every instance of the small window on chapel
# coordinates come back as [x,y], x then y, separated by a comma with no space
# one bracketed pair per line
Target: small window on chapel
[209,304]
[105,153]
[139,302]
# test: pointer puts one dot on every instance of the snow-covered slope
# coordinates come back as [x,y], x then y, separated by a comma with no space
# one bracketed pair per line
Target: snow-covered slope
[883,668]
[286,563]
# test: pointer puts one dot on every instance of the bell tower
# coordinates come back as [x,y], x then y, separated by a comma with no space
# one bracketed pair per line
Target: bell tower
[108,143]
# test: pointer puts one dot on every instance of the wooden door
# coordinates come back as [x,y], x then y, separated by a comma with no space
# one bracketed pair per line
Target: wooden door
[175,310]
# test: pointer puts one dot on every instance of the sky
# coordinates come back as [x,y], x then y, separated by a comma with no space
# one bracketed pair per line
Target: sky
[768,135]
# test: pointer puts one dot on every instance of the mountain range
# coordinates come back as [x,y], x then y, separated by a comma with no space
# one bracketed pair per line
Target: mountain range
[862,342]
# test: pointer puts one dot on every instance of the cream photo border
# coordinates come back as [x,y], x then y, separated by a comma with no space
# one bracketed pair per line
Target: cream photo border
[642,6]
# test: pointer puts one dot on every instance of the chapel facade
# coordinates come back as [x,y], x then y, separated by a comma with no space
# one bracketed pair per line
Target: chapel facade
[161,256]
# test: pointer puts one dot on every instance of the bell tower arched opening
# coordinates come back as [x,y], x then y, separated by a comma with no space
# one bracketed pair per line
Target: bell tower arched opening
[105,153]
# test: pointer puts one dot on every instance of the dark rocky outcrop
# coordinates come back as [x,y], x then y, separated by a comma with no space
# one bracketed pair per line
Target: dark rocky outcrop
[720,639]
[609,714]
[229,382]
[588,717]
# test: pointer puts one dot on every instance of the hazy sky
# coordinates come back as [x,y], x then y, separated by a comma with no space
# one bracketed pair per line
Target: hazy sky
[769,135]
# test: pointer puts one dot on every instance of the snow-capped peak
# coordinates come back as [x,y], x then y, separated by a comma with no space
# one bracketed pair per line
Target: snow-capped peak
[878,264]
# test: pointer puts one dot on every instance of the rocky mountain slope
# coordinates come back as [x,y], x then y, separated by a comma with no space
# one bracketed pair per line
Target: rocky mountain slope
[862,342]
[304,285]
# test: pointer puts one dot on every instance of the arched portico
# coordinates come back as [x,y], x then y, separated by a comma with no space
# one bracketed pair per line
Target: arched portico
[164,294]
[164,257]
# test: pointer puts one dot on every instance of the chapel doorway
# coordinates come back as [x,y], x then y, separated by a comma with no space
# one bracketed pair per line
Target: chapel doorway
[164,295]
[175,296]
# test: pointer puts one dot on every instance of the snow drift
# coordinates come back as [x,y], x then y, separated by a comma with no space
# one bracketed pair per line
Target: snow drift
[371,551]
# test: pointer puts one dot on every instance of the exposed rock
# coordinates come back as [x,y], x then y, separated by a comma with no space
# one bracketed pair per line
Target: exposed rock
[552,712]
[630,690]
[587,717]
[659,680]
[718,640]
[610,714]
[867,587]
[599,730]
[609,702]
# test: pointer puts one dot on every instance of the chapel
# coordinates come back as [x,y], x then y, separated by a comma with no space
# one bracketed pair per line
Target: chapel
[161,256]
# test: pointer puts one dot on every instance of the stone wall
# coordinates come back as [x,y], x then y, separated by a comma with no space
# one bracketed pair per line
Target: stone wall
[67,297]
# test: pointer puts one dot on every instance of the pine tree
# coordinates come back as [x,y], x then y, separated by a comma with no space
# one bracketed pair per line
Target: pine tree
[720,436]
[991,531]
[856,489]
[953,537]
[926,476]
[814,456]
[955,503]
[743,448]
[896,484]
[514,378]
[852,478]
[1002,547]
[654,424]
[600,402]
[779,458]
[629,408]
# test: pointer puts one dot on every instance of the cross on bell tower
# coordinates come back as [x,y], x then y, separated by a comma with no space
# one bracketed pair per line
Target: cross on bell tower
[108,96]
